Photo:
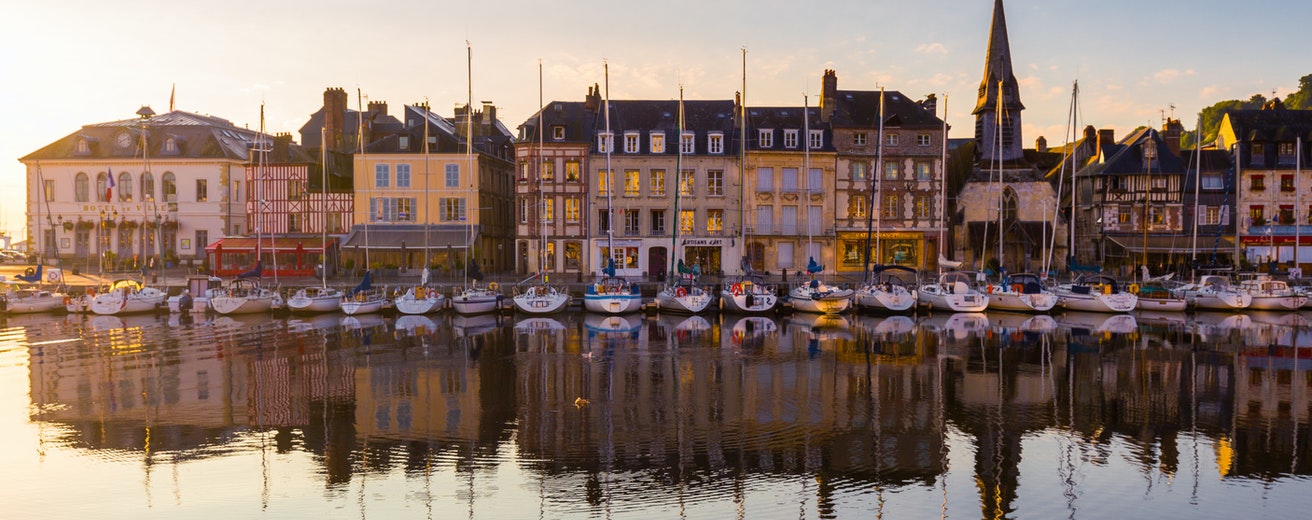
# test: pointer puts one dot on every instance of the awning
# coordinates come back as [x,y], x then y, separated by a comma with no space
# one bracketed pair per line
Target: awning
[411,237]
[1178,244]
[279,244]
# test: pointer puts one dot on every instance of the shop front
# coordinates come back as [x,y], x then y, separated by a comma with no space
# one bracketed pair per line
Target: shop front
[704,252]
[905,248]
[281,256]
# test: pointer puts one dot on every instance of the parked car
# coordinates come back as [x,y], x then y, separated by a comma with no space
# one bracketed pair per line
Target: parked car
[12,256]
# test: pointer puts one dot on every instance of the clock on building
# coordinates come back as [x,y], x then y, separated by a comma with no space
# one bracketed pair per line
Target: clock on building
[123,139]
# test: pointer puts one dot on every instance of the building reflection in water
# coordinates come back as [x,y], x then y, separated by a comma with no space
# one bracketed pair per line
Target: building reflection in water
[653,408]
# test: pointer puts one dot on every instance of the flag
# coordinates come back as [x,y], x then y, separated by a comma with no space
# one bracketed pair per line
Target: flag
[172,91]
[109,187]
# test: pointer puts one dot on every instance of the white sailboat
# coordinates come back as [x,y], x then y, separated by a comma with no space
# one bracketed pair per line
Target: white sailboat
[322,298]
[682,294]
[750,294]
[815,295]
[1270,294]
[244,294]
[364,298]
[540,297]
[422,298]
[883,291]
[471,298]
[1215,292]
[611,294]
[1020,292]
[127,296]
[21,298]
[953,290]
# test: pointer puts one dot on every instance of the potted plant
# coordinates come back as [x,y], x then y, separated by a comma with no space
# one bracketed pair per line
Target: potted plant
[68,226]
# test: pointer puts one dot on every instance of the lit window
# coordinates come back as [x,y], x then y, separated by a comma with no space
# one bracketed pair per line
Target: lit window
[603,182]
[1286,183]
[632,183]
[605,141]
[687,221]
[714,221]
[572,171]
[922,171]
[858,171]
[657,186]
[558,133]
[686,183]
[548,209]
[1257,183]
[890,170]
[548,171]
[657,142]
[856,206]
[572,209]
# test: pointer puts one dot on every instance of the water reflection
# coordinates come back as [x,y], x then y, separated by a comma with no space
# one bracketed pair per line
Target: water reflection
[949,414]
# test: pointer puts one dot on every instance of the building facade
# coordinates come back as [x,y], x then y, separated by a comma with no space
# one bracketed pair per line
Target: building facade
[1269,149]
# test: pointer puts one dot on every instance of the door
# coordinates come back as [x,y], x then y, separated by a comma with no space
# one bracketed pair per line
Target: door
[656,267]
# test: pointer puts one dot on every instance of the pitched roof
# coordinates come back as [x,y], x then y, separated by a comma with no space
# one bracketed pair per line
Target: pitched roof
[196,137]
[860,108]
[1271,125]
[1127,157]
[998,68]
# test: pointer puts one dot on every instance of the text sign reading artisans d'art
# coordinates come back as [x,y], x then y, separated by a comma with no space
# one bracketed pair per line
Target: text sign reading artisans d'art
[704,242]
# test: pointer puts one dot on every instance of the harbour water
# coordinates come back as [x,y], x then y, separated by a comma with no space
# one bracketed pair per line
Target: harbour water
[584,416]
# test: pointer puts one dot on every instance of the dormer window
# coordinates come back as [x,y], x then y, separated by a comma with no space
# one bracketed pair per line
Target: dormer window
[657,143]
[558,133]
[403,142]
[817,139]
[630,142]
[687,144]
[82,147]
[765,138]
[1149,152]
[790,138]
[715,143]
[170,145]
[605,141]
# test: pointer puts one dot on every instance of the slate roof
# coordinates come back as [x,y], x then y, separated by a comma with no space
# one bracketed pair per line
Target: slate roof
[860,108]
[310,131]
[1126,157]
[780,118]
[197,137]
[1271,125]
[577,119]
[386,135]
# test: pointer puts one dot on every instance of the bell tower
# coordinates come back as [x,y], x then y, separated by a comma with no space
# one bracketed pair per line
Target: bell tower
[999,98]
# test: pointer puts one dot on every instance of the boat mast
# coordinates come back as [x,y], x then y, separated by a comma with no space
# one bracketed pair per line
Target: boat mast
[879,182]
[678,168]
[1198,180]
[943,184]
[1001,233]
[609,142]
[1075,185]
[364,161]
[806,169]
[1298,195]
[542,204]
[427,202]
[742,168]
[469,154]
[873,183]
[1069,155]
[323,171]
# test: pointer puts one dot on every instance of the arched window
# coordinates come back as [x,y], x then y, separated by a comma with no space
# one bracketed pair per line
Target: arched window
[1009,204]
[124,187]
[147,187]
[169,187]
[82,187]
[102,184]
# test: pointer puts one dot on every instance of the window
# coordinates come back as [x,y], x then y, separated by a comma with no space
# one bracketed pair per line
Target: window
[169,187]
[548,209]
[657,183]
[548,172]
[1212,181]
[1286,152]
[714,221]
[657,143]
[202,240]
[573,254]
[603,182]
[390,209]
[815,180]
[453,175]
[293,189]
[765,179]
[631,222]
[49,188]
[687,221]
[572,171]
[715,183]
[817,139]
[658,222]
[687,143]
[814,220]
[572,211]
[603,221]
[1257,183]
[202,190]
[790,138]
[605,141]
[382,175]
[1211,216]
[858,171]
[550,255]
[125,187]
[147,187]
[452,209]
[632,183]
[784,254]
[236,190]
[788,224]
[403,142]
[890,170]
[765,138]
[523,171]
[405,210]
[923,207]
[82,147]
[523,211]
[557,133]
[856,206]
[1286,183]
[859,139]
[102,186]
[82,187]
[1286,214]
[764,220]
[789,184]
[715,143]
[687,180]
[892,206]
[170,145]
[923,171]
[403,175]
[630,142]
[890,139]
[1159,183]
[922,140]
[1123,214]
[1257,215]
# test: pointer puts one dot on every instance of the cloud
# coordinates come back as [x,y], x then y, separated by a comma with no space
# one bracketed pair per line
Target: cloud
[1169,75]
[932,48]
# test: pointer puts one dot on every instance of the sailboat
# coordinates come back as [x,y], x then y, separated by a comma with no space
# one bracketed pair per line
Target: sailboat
[540,297]
[682,294]
[1020,292]
[473,299]
[1091,292]
[953,290]
[322,298]
[422,298]
[17,298]
[364,298]
[611,294]
[884,290]
[244,294]
[815,296]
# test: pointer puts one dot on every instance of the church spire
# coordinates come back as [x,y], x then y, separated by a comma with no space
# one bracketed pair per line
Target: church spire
[998,75]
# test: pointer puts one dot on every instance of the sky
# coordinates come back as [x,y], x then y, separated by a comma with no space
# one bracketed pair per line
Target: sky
[76,62]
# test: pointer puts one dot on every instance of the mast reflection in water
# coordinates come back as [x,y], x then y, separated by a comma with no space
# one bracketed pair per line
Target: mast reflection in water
[580,416]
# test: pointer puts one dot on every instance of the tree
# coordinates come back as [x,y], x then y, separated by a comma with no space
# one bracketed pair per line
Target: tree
[1302,99]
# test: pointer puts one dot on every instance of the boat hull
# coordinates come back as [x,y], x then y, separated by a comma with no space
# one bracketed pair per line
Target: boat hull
[241,304]
[612,303]
[1162,304]
[541,303]
[308,304]
[1278,303]
[114,304]
[832,304]
[1223,301]
[33,304]
[882,300]
[969,301]
[363,306]
[745,303]
[689,303]
[1008,300]
[408,304]
[1114,303]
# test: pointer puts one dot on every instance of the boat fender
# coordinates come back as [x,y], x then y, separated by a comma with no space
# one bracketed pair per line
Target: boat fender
[1018,288]
[492,286]
[1107,289]
[737,289]
[29,272]
[680,292]
[989,288]
[1134,288]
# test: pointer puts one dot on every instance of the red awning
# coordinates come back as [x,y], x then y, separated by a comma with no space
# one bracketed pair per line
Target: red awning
[280,244]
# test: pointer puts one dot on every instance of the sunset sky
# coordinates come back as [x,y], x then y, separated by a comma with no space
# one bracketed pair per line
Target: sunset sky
[75,62]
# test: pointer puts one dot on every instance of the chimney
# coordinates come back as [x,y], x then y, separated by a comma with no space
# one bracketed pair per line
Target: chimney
[334,118]
[377,108]
[1106,136]
[1090,135]
[1041,144]
[930,104]
[282,144]
[828,94]
[489,115]
[593,101]
[1172,131]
